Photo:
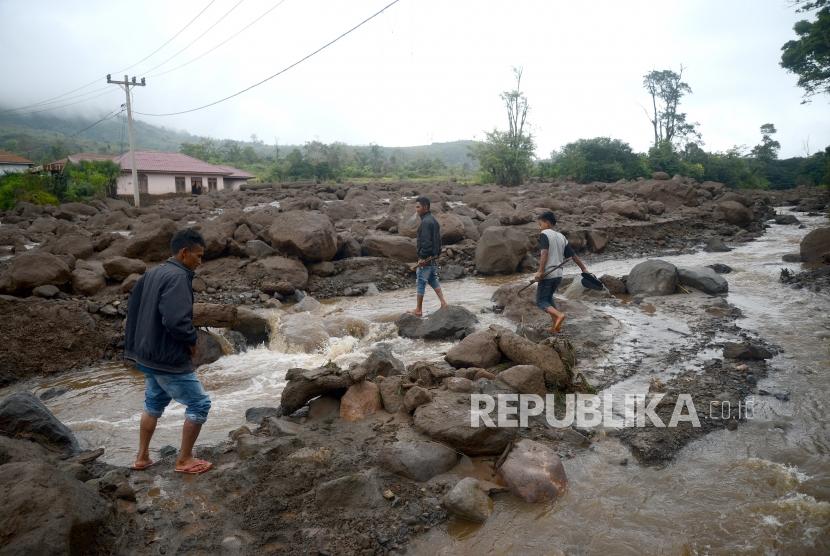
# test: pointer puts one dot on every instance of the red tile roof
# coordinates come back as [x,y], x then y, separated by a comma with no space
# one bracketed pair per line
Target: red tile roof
[151,161]
[160,162]
[10,158]
[236,173]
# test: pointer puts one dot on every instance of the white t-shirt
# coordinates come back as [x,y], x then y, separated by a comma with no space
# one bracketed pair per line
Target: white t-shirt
[557,245]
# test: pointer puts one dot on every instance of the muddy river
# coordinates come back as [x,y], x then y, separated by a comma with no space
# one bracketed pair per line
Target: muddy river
[761,489]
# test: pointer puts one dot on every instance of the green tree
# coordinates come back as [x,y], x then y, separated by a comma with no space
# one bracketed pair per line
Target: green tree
[809,56]
[90,179]
[667,89]
[767,151]
[598,159]
[507,156]
[32,188]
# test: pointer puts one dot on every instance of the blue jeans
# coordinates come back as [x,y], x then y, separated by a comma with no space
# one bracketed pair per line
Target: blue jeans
[427,275]
[184,388]
[544,292]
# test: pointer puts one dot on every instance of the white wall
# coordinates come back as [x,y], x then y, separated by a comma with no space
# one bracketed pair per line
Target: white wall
[164,184]
[13,168]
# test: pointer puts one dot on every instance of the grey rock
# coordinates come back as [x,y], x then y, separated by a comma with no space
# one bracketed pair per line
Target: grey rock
[22,415]
[450,322]
[468,501]
[652,277]
[704,279]
[417,460]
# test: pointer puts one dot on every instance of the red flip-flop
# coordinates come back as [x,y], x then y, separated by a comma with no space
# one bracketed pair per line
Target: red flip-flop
[197,467]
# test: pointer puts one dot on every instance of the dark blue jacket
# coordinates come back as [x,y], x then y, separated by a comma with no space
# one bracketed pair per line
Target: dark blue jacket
[159,330]
[429,237]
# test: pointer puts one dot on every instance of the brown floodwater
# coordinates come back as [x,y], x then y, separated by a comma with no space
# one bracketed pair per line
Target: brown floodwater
[761,489]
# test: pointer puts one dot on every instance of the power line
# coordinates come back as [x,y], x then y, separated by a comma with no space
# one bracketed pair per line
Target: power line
[285,69]
[233,36]
[170,39]
[206,31]
[29,113]
[98,79]
[107,117]
[62,100]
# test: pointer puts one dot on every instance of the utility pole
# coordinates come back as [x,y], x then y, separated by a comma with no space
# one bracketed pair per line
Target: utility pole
[126,84]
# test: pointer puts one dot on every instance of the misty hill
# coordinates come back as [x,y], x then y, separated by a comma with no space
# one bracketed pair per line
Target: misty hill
[46,137]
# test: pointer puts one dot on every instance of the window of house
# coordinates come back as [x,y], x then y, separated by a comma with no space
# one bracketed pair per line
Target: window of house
[180,184]
[211,184]
[143,183]
[196,186]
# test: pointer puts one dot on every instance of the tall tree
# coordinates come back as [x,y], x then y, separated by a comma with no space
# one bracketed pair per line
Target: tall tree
[507,156]
[767,151]
[667,89]
[809,56]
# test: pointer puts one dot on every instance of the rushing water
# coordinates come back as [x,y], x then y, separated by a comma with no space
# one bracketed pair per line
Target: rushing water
[761,489]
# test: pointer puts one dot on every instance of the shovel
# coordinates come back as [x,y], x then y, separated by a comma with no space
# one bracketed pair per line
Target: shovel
[589,281]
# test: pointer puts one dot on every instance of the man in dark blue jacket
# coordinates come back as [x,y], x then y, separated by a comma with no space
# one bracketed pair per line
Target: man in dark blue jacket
[428,247]
[160,339]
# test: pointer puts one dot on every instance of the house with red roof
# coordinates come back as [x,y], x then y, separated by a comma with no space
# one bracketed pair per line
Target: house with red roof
[161,173]
[10,163]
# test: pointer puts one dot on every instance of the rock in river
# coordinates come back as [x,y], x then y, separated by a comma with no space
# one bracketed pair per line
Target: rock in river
[534,472]
[450,322]
[704,279]
[469,501]
[418,460]
[22,415]
[652,277]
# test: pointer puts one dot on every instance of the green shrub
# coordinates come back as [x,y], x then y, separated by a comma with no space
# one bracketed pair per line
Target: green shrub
[31,188]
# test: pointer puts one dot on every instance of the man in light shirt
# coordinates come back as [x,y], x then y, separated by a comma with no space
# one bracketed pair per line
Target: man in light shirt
[554,251]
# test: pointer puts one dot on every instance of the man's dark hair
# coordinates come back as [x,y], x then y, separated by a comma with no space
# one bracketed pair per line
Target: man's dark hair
[548,217]
[187,238]
[423,201]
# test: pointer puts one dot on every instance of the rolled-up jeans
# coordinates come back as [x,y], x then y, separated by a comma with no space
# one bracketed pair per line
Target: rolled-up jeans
[427,275]
[544,292]
[161,388]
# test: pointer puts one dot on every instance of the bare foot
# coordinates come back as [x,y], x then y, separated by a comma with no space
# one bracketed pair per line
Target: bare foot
[416,312]
[444,305]
[142,463]
[557,325]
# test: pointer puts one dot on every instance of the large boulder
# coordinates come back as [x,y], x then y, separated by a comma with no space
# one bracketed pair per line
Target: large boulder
[468,500]
[652,277]
[408,225]
[391,392]
[46,511]
[628,208]
[22,415]
[392,247]
[479,349]
[815,247]
[276,268]
[381,362]
[75,244]
[218,234]
[704,279]
[308,235]
[522,351]
[446,419]
[500,250]
[151,242]
[449,322]
[88,282]
[305,384]
[534,472]
[360,401]
[208,349]
[452,228]
[525,379]
[214,314]
[597,241]
[254,326]
[417,460]
[32,269]
[735,213]
[118,268]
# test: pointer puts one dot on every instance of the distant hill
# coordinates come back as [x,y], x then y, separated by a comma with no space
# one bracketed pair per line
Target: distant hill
[46,137]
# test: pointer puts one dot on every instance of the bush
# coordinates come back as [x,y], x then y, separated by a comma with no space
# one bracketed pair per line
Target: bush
[90,179]
[508,160]
[31,188]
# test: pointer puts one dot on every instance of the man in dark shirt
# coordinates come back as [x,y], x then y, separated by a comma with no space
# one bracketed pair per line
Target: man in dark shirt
[160,339]
[429,247]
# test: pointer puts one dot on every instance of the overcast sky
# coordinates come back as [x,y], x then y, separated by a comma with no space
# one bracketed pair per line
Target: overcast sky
[423,71]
